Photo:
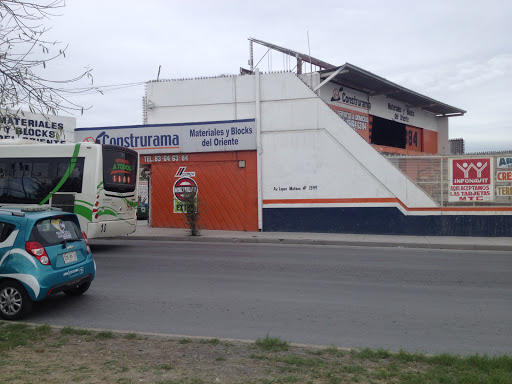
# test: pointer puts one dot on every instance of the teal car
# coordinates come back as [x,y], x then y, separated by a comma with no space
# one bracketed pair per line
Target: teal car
[42,252]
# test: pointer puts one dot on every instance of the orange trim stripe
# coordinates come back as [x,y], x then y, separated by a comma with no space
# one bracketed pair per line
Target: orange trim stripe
[155,148]
[331,201]
[386,200]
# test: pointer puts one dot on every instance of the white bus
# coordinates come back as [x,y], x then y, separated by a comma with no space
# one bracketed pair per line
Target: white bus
[97,182]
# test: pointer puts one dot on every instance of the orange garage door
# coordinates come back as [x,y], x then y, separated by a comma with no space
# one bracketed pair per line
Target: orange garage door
[227,190]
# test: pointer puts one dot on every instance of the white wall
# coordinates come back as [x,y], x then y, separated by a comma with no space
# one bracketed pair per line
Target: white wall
[443,143]
[225,98]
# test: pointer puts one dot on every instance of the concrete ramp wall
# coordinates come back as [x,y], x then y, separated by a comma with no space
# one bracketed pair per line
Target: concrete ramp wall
[306,144]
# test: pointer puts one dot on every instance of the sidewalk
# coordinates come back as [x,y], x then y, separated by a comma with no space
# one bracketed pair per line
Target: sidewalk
[432,242]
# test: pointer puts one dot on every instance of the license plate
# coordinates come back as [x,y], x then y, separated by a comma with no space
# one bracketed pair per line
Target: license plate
[69,257]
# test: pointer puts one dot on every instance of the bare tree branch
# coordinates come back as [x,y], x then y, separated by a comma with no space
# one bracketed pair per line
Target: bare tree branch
[24,53]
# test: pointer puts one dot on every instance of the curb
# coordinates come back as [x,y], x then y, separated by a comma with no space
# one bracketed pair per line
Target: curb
[348,243]
[181,336]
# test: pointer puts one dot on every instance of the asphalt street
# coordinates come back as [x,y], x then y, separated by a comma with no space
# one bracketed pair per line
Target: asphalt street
[433,301]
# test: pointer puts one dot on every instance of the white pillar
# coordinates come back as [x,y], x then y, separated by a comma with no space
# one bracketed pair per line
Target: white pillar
[259,150]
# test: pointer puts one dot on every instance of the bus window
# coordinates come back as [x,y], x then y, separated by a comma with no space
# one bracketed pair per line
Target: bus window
[4,180]
[74,181]
[22,188]
[119,169]
[33,179]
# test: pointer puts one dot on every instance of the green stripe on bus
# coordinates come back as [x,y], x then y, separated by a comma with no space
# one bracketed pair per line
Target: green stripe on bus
[84,212]
[107,211]
[132,204]
[71,166]
[83,202]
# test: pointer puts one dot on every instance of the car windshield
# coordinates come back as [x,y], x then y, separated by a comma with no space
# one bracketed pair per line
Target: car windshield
[55,230]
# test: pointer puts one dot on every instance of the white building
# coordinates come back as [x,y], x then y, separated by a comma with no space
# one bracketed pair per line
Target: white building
[299,152]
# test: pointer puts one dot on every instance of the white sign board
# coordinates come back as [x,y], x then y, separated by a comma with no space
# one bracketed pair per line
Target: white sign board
[47,129]
[143,190]
[216,136]
[361,105]
[504,162]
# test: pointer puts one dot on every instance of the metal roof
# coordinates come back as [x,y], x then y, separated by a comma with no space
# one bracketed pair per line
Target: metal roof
[290,52]
[364,81]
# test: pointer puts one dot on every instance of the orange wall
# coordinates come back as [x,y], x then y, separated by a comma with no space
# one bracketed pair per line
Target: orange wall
[418,141]
[414,138]
[357,120]
[429,141]
[227,193]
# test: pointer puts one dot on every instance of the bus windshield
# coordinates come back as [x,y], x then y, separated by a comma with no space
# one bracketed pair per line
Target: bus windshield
[119,169]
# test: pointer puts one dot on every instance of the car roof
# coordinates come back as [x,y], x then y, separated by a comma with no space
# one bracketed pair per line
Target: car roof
[31,212]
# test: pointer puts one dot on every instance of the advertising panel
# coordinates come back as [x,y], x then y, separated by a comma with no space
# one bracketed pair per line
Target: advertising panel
[504,175]
[471,180]
[213,136]
[504,190]
[504,162]
[45,129]
[358,121]
[185,191]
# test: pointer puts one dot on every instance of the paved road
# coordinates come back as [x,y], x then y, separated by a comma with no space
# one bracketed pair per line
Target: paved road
[419,300]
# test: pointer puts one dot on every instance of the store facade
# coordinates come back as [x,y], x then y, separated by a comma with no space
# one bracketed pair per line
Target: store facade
[298,161]
[215,161]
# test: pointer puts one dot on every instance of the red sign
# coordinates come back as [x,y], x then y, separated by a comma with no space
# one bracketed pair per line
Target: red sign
[184,186]
[471,180]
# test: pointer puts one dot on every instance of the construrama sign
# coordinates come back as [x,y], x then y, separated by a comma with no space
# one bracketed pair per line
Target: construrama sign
[216,136]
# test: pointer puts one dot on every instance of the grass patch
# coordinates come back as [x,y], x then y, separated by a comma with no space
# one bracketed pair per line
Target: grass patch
[333,351]
[103,335]
[300,361]
[272,344]
[354,369]
[130,336]
[13,335]
[185,341]
[75,331]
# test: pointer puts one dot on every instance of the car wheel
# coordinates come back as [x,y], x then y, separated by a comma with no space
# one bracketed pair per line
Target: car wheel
[14,301]
[77,291]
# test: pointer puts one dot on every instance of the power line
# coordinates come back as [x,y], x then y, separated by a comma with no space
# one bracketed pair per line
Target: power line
[101,88]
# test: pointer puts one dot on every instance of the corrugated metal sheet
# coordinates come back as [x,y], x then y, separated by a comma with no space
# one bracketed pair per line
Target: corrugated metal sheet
[227,193]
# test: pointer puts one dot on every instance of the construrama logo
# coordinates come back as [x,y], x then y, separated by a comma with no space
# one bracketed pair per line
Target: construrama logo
[138,141]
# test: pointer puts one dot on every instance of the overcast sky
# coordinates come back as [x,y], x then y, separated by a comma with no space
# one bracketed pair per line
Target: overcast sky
[457,52]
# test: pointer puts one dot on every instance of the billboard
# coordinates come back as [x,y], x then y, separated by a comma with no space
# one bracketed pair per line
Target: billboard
[471,180]
[211,136]
[504,162]
[45,129]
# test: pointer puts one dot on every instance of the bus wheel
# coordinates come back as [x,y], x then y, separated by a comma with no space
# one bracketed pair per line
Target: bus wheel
[78,290]
[14,301]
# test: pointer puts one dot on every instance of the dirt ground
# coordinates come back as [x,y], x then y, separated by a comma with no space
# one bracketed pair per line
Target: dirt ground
[83,357]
